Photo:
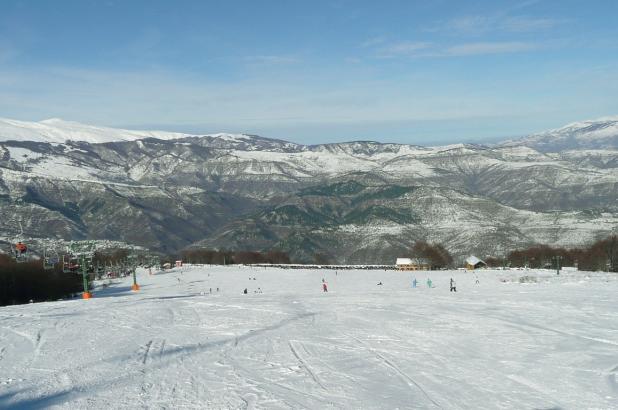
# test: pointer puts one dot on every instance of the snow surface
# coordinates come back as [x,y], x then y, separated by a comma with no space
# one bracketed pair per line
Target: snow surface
[552,343]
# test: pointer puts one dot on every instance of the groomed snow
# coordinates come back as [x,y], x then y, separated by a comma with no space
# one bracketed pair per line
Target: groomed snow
[173,344]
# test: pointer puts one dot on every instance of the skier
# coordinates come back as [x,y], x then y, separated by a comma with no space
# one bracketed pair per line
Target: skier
[245,291]
[477,279]
[414,282]
[429,283]
[380,283]
[324,286]
[453,285]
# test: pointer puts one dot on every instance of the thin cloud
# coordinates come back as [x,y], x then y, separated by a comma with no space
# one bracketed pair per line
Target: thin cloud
[524,24]
[426,49]
[402,49]
[483,24]
[372,42]
[271,59]
[468,25]
[483,48]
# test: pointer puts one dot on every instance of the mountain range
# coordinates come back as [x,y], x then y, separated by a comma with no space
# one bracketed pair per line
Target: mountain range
[356,202]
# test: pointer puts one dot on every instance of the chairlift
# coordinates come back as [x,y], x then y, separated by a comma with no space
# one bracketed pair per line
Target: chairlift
[70,264]
[50,259]
[20,252]
[20,249]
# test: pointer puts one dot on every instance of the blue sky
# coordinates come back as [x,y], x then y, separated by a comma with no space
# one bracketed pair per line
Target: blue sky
[422,72]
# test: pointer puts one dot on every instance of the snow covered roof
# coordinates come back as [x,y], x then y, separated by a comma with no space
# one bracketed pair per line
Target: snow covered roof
[473,260]
[408,261]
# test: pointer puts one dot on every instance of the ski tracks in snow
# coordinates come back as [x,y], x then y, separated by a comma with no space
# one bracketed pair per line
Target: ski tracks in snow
[37,341]
[612,379]
[151,350]
[406,378]
[304,363]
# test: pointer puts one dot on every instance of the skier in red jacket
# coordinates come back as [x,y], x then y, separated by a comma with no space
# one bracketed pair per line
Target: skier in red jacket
[324,287]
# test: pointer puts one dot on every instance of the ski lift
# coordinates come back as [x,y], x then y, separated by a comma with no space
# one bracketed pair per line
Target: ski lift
[70,264]
[50,259]
[20,252]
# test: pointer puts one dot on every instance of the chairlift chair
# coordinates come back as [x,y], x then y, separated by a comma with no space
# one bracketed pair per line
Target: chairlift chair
[70,264]
[20,252]
[50,259]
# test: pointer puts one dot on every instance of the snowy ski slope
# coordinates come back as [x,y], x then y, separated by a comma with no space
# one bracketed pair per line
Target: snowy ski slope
[498,344]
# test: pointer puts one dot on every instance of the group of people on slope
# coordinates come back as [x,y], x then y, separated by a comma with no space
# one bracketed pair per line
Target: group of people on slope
[429,283]
[453,284]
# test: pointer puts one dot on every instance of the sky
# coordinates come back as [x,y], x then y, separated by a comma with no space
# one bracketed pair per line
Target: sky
[419,72]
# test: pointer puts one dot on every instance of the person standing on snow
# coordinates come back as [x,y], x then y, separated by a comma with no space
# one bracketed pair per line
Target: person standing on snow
[324,287]
[429,283]
[453,285]
[414,283]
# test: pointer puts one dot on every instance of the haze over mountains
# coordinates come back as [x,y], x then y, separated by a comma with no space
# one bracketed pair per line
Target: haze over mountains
[356,202]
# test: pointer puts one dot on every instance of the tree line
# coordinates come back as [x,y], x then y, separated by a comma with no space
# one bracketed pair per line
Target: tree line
[210,257]
[435,255]
[29,281]
[599,256]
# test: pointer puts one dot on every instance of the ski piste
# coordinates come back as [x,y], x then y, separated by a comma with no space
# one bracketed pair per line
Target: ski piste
[190,338]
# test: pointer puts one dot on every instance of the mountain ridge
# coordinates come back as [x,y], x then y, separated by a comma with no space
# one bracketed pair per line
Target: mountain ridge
[171,193]
[56,130]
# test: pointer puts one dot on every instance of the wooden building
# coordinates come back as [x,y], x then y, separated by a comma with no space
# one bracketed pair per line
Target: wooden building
[412,264]
[472,262]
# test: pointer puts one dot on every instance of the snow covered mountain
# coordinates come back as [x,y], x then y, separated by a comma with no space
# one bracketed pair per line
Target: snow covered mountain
[358,201]
[593,134]
[55,130]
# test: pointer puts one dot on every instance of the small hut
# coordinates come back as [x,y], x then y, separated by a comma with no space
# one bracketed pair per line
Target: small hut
[472,263]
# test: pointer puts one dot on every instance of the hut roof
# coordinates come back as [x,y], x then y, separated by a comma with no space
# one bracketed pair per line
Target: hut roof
[473,260]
